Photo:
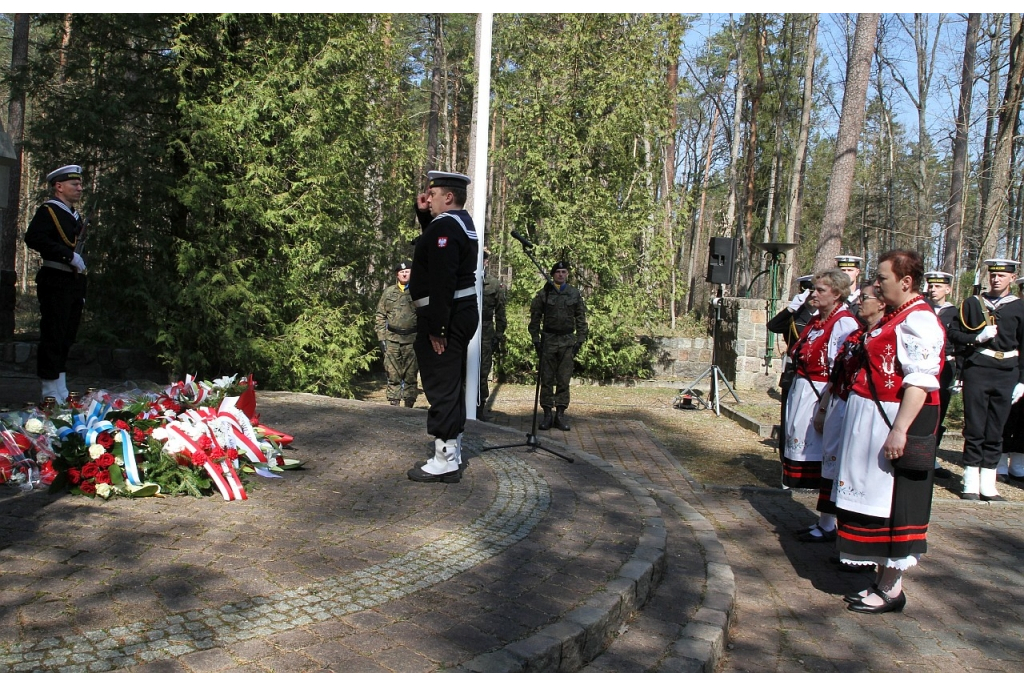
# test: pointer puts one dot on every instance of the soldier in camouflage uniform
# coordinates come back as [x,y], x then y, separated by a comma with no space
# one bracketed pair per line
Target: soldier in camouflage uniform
[396,331]
[492,332]
[564,317]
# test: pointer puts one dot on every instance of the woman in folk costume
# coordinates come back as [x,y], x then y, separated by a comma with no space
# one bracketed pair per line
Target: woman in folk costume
[883,509]
[813,354]
[832,409]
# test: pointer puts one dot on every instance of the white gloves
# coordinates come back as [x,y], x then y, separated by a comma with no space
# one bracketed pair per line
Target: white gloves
[987,333]
[798,301]
[78,263]
[1018,392]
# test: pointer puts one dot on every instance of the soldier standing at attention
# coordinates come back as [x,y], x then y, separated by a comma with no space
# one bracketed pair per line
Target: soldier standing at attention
[396,331]
[990,329]
[850,265]
[56,232]
[492,331]
[939,285]
[443,289]
[558,326]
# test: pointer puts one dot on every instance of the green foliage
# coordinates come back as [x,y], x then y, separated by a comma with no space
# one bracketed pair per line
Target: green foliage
[107,101]
[295,193]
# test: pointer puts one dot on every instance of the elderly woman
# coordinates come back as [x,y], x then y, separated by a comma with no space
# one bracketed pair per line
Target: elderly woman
[832,408]
[883,509]
[813,354]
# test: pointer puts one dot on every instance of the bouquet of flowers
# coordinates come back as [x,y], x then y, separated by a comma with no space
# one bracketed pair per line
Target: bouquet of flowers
[188,438]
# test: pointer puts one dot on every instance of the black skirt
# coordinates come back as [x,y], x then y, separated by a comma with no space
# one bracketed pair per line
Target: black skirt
[904,533]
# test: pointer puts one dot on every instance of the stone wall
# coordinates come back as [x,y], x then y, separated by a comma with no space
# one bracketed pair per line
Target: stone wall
[740,352]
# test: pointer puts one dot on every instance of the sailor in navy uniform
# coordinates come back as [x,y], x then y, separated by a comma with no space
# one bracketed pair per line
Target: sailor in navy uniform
[443,289]
[938,285]
[990,330]
[57,233]
[1011,464]
[851,265]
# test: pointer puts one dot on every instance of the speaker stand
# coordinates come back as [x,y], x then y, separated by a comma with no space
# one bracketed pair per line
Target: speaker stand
[714,371]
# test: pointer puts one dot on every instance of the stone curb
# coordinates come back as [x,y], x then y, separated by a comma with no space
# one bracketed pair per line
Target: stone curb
[583,633]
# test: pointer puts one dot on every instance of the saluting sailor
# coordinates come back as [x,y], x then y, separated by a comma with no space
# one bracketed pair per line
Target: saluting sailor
[57,233]
[938,285]
[990,329]
[851,266]
[443,289]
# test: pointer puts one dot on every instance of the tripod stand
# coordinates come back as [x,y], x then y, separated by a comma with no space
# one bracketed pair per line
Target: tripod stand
[714,371]
[531,438]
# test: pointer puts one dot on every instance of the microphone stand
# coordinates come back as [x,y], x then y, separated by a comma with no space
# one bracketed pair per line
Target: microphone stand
[531,438]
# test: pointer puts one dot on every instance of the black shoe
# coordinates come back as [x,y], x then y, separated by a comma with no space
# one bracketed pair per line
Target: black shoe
[824,535]
[560,423]
[545,424]
[972,496]
[394,403]
[1002,478]
[1015,479]
[890,604]
[410,403]
[992,498]
[943,473]
[855,597]
[420,476]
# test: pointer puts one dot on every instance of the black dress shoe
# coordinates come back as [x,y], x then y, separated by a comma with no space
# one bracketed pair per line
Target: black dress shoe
[1014,479]
[889,604]
[973,496]
[943,473]
[992,498]
[420,476]
[855,597]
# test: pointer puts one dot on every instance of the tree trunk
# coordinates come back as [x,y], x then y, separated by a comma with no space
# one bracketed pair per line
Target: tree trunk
[697,236]
[435,90]
[734,152]
[800,154]
[992,212]
[851,121]
[954,209]
[9,226]
[668,175]
[746,245]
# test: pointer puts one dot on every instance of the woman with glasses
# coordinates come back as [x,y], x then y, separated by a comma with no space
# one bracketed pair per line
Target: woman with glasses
[832,412]
[813,354]
[883,509]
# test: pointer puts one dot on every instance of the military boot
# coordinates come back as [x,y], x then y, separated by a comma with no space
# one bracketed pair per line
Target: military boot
[560,422]
[394,403]
[545,424]
[410,402]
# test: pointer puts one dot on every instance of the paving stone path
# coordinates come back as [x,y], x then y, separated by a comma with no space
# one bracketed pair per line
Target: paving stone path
[618,562]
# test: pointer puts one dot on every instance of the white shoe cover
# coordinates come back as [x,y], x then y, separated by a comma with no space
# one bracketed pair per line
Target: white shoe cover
[445,459]
[988,483]
[971,478]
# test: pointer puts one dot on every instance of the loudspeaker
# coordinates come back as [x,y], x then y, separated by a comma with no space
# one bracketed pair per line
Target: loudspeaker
[721,257]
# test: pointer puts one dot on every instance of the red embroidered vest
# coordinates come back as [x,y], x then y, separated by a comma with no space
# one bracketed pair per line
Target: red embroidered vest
[811,350]
[880,352]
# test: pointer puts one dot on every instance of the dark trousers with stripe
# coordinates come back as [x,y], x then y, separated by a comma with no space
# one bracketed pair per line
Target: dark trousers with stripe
[987,401]
[443,376]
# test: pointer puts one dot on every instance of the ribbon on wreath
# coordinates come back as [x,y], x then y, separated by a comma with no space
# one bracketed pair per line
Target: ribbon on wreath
[222,472]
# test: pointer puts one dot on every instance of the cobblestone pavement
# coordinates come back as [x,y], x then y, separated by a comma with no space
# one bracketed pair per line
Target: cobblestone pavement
[965,608]
[617,562]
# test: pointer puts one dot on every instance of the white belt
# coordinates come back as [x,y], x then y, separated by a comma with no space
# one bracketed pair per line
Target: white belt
[57,265]
[459,294]
[999,354]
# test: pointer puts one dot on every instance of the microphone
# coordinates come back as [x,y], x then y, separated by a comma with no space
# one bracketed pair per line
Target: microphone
[524,241]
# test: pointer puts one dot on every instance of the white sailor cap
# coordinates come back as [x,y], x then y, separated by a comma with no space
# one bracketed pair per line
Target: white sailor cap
[65,173]
[806,279]
[846,260]
[1001,265]
[445,179]
[938,277]
[1020,281]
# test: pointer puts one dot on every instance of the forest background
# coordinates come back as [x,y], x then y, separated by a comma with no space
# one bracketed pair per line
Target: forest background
[250,178]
